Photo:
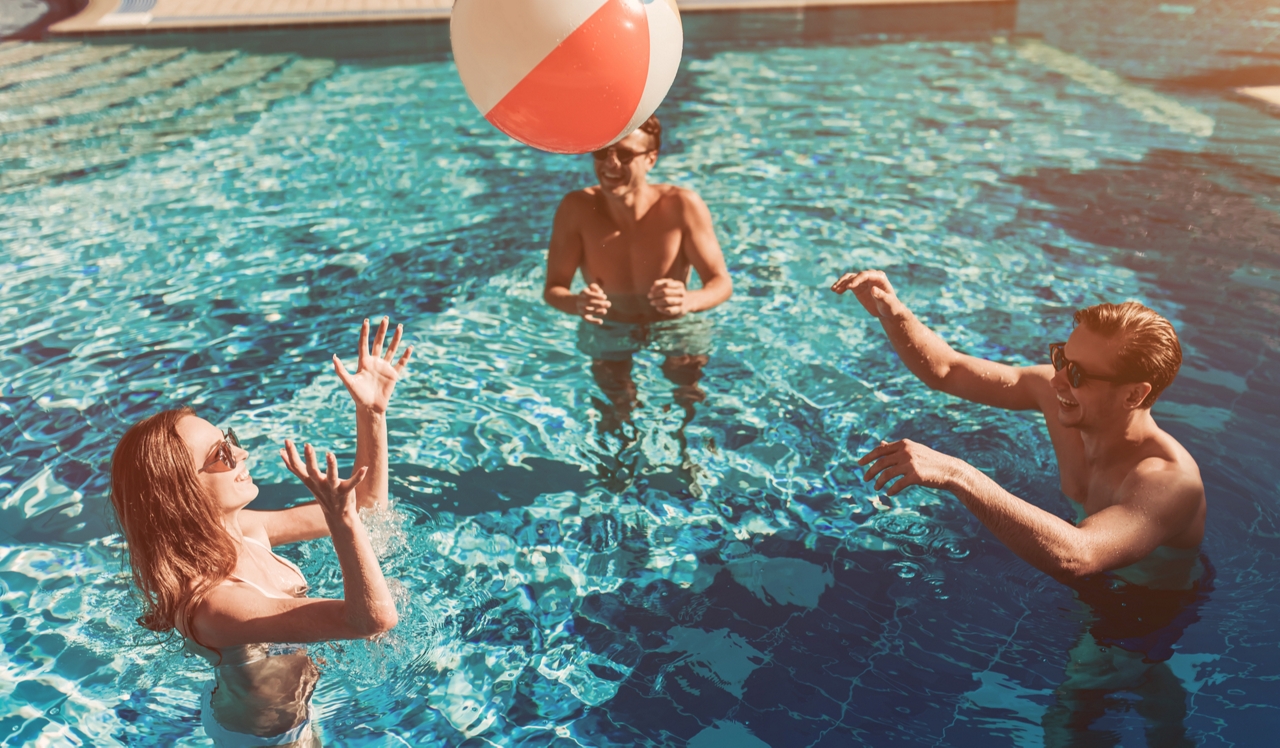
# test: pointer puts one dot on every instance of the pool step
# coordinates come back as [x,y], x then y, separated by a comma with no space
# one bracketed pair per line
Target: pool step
[16,53]
[59,64]
[78,107]
[110,95]
[110,73]
[246,85]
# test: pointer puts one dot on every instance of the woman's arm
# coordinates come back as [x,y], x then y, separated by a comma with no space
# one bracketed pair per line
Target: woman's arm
[238,614]
[370,388]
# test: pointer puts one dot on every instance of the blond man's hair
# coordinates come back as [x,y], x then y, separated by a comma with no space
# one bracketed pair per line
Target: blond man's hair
[1149,348]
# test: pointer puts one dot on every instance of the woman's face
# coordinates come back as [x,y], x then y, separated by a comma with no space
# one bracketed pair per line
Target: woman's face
[231,487]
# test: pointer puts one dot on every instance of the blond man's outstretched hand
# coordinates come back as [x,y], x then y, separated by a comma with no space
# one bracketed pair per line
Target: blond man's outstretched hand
[873,290]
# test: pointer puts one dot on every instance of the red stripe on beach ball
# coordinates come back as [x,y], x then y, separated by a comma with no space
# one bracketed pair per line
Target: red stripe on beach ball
[581,95]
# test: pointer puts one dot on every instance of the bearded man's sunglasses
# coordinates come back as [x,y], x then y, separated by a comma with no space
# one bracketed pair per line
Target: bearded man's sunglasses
[1075,375]
[222,458]
[624,156]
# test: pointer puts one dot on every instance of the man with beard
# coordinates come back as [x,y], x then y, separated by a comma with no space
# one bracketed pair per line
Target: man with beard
[637,244]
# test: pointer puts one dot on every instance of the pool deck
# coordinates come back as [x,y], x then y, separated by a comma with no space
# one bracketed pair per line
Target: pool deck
[115,16]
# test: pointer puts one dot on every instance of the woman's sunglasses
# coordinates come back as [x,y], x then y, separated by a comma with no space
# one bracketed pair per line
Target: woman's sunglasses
[1075,375]
[624,156]
[222,459]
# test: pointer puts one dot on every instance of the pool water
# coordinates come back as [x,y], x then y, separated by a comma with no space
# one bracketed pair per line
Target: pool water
[725,582]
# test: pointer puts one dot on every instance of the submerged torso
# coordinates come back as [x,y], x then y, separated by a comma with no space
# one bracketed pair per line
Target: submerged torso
[1165,568]
[261,689]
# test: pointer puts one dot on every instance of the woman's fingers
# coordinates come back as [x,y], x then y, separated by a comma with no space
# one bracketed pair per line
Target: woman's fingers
[341,371]
[376,351]
[404,360]
[348,485]
[292,461]
[331,463]
[390,355]
[363,347]
[284,457]
[328,487]
[310,453]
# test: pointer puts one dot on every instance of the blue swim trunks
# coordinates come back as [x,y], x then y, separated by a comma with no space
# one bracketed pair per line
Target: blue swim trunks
[689,335]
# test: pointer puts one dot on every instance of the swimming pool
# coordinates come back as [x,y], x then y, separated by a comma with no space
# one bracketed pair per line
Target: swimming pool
[729,583]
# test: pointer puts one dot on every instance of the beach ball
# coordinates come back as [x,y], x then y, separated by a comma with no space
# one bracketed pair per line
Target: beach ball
[567,76]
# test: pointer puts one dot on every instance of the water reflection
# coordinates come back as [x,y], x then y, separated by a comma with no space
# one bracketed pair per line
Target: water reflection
[684,344]
[1130,635]
[921,600]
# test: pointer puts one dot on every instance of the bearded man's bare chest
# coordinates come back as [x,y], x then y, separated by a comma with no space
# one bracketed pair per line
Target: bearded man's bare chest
[645,250]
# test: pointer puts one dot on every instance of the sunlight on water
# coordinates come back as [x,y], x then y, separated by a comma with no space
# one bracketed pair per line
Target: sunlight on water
[222,273]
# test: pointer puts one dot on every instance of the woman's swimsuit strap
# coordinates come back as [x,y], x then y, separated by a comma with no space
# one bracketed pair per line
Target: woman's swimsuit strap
[277,557]
[265,592]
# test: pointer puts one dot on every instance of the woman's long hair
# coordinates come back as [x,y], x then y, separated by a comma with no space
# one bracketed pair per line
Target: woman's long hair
[178,548]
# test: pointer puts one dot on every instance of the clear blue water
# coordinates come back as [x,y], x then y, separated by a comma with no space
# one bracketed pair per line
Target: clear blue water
[732,585]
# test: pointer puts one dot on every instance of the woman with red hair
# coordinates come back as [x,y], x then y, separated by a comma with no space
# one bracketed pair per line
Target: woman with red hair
[205,567]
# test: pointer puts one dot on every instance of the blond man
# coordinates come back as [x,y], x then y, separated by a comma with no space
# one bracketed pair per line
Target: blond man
[1133,553]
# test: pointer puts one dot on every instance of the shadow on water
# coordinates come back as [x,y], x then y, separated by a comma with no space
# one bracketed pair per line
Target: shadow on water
[1202,225]
[1166,208]
[372,44]
[472,492]
[705,32]
[480,490]
[1219,80]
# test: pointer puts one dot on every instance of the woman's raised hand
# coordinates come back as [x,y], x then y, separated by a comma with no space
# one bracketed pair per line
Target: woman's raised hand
[336,496]
[375,377]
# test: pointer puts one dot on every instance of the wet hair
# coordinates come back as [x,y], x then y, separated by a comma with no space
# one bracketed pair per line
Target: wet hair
[177,547]
[653,128]
[1149,348]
